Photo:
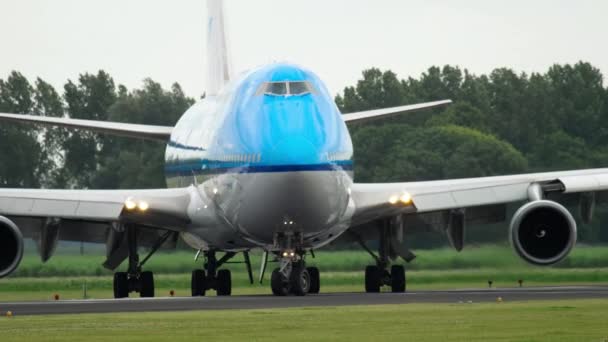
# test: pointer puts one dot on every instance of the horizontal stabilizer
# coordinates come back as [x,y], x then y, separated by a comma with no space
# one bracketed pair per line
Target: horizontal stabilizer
[385,112]
[162,133]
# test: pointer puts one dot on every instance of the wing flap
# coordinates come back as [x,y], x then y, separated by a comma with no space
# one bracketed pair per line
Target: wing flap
[150,132]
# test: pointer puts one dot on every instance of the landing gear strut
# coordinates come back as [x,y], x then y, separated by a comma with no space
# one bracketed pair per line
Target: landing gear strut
[136,280]
[212,278]
[378,275]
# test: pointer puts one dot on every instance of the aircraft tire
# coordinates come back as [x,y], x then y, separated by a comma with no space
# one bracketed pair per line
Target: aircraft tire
[121,285]
[224,283]
[315,280]
[198,283]
[398,278]
[373,278]
[299,282]
[147,284]
[277,284]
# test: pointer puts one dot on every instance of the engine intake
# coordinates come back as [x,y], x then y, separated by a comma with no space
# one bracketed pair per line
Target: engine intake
[543,232]
[11,246]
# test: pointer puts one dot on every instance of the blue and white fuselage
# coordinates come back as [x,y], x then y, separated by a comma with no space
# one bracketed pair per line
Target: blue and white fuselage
[270,154]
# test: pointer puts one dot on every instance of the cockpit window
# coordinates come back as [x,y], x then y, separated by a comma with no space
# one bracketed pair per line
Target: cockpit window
[285,88]
[299,88]
[276,88]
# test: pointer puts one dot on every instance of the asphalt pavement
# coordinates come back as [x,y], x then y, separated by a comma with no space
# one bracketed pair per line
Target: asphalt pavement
[270,302]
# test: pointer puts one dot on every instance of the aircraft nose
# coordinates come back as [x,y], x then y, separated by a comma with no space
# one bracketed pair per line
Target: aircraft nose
[294,149]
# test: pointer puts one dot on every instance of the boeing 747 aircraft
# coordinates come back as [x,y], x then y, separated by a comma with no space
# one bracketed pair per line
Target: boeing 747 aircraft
[265,162]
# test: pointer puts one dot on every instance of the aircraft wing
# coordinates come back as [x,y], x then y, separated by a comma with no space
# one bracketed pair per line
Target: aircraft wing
[386,112]
[151,132]
[96,216]
[375,201]
[162,208]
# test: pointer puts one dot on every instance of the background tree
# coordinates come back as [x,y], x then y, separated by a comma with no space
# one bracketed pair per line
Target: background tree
[89,99]
[21,151]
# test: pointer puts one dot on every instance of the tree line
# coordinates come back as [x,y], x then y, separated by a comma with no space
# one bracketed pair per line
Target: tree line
[35,156]
[500,123]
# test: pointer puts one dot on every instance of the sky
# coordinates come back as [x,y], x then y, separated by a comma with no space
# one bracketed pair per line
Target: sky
[165,40]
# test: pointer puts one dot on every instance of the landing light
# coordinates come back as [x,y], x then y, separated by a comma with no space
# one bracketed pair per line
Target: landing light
[130,204]
[288,253]
[143,205]
[406,198]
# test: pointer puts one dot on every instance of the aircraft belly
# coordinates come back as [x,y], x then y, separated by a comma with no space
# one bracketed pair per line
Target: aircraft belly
[245,210]
[307,202]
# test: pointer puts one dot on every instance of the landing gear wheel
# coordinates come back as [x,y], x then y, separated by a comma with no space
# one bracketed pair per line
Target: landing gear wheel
[299,282]
[199,283]
[224,283]
[278,284]
[373,279]
[147,284]
[398,278]
[315,281]
[121,285]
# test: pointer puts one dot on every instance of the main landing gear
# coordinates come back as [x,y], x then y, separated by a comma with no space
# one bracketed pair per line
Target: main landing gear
[293,277]
[136,280]
[379,275]
[212,278]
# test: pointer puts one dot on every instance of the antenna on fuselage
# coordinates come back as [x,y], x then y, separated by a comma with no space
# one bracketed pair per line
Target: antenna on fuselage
[218,59]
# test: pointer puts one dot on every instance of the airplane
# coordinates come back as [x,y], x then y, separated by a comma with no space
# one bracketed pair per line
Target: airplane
[265,161]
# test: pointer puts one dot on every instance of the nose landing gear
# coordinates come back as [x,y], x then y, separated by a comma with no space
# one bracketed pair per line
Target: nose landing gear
[293,277]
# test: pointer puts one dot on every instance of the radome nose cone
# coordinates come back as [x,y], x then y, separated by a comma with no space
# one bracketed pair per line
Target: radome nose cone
[294,150]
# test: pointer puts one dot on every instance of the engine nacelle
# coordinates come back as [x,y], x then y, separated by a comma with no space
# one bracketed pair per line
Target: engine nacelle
[542,232]
[11,246]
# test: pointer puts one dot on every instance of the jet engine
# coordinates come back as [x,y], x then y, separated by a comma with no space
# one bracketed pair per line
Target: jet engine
[542,232]
[11,246]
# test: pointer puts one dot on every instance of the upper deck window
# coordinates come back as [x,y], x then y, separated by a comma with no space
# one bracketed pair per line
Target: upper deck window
[285,88]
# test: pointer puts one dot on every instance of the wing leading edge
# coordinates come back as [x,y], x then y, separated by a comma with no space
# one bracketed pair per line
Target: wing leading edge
[151,132]
[374,200]
[369,115]
[162,208]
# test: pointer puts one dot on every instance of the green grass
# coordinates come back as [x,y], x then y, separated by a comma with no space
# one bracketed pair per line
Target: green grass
[13,289]
[499,257]
[572,320]
[340,271]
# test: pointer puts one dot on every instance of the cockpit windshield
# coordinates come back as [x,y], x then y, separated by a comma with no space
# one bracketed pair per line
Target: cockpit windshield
[285,88]
[276,88]
[299,88]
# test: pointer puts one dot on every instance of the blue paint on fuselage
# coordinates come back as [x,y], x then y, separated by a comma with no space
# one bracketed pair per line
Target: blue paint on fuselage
[243,130]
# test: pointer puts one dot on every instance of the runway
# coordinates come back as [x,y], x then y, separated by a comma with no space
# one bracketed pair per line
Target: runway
[270,302]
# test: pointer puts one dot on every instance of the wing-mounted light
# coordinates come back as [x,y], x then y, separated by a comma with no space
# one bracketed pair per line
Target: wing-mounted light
[132,205]
[401,199]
